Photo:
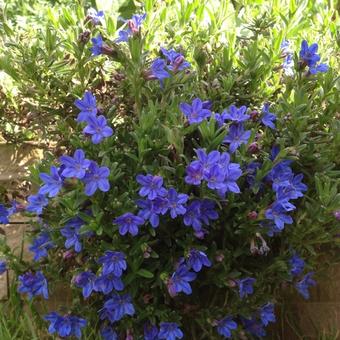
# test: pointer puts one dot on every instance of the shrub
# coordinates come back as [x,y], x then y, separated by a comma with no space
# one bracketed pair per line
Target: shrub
[212,181]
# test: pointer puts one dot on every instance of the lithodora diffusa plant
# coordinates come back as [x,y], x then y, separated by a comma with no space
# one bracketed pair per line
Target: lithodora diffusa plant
[177,218]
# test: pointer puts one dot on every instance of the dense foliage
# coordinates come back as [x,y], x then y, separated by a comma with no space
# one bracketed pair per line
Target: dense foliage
[200,169]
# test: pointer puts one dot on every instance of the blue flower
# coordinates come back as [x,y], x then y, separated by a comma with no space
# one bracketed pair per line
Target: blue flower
[192,216]
[194,173]
[152,186]
[53,182]
[169,331]
[105,283]
[267,314]
[33,284]
[254,327]
[176,61]
[215,177]
[86,281]
[308,53]
[96,178]
[97,127]
[235,114]
[75,166]
[95,17]
[207,161]
[117,307]
[309,57]
[97,45]
[319,68]
[226,326]
[297,265]
[3,267]
[4,214]
[150,332]
[176,203]
[36,203]
[87,106]
[179,281]
[220,118]
[108,333]
[245,286]
[113,262]
[207,211]
[232,174]
[268,118]
[40,245]
[72,233]
[277,213]
[134,25]
[303,285]
[236,137]
[150,209]
[195,113]
[197,259]
[128,223]
[285,46]
[288,65]
[65,326]
[158,71]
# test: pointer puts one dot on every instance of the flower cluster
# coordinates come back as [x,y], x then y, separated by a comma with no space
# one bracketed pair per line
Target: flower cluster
[297,266]
[96,125]
[216,169]
[160,68]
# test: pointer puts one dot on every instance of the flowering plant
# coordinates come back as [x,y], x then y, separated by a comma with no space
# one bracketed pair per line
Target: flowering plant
[180,217]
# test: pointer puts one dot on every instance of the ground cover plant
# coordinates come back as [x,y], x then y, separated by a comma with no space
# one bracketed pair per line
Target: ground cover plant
[196,169]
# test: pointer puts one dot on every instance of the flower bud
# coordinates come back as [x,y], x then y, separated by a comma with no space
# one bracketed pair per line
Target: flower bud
[219,258]
[254,115]
[252,215]
[253,148]
[337,214]
[84,37]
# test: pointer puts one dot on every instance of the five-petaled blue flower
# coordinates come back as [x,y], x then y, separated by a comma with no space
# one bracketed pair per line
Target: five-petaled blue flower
[65,326]
[40,245]
[235,114]
[268,118]
[169,331]
[117,307]
[150,209]
[52,183]
[246,286]
[152,186]
[267,314]
[197,259]
[97,45]
[192,216]
[87,106]
[105,283]
[98,128]
[3,267]
[72,233]
[128,223]
[179,281]
[226,326]
[158,71]
[176,203]
[236,137]
[278,214]
[254,327]
[96,178]
[113,262]
[33,284]
[36,203]
[195,113]
[303,285]
[310,58]
[86,281]
[297,265]
[75,166]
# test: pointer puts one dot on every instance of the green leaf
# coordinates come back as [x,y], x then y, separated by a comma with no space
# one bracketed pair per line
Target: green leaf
[145,273]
